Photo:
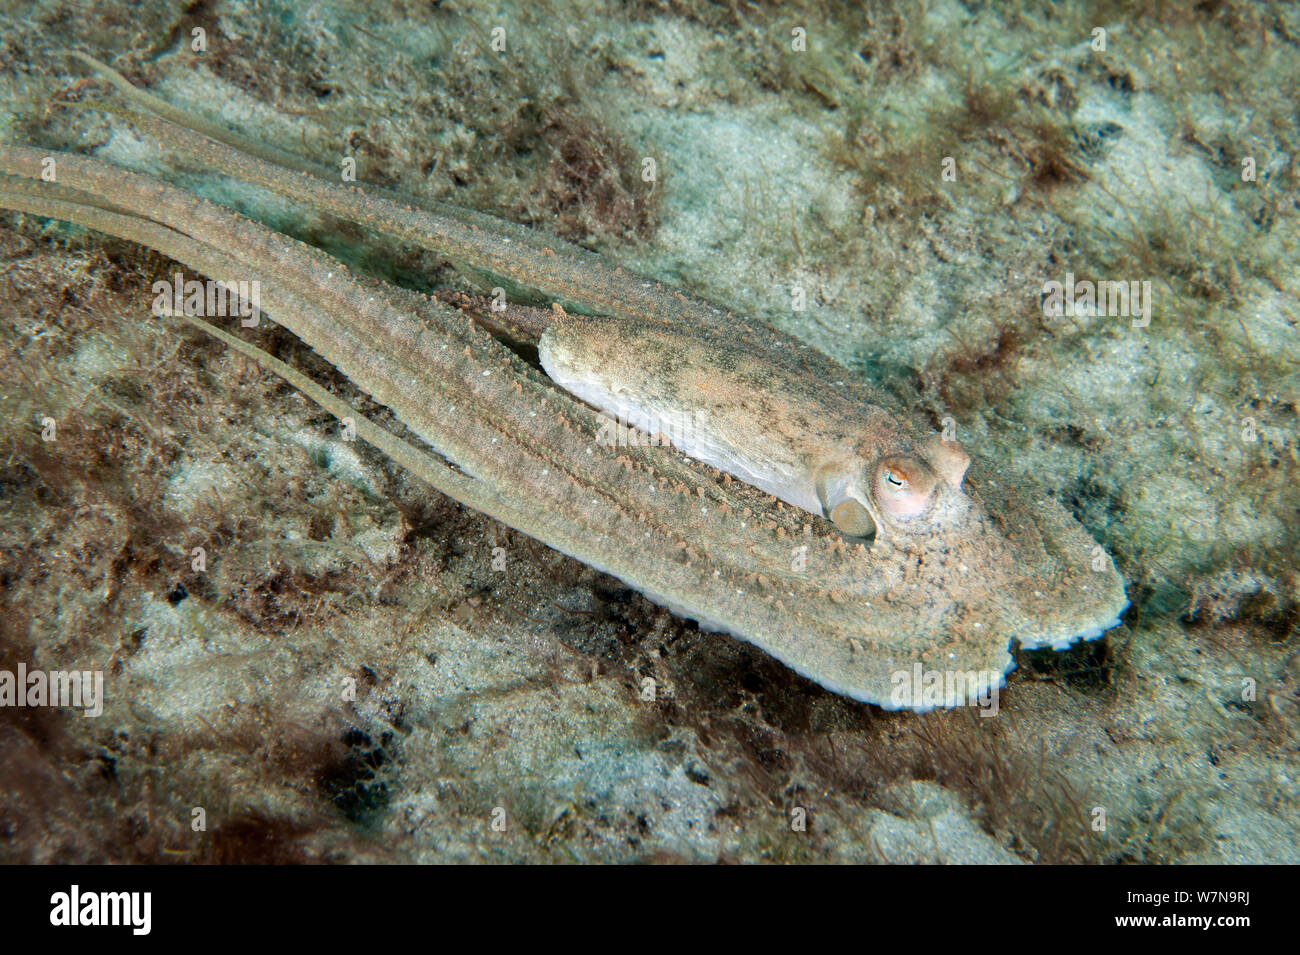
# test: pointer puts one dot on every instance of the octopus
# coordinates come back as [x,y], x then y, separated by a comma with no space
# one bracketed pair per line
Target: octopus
[794,506]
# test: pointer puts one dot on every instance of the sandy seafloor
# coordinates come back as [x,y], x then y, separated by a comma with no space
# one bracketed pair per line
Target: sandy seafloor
[1174,443]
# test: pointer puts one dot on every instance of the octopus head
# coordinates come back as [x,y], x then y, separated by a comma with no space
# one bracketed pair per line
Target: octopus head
[910,492]
[907,487]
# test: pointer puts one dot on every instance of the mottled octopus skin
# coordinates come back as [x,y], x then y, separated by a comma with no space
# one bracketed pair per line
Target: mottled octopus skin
[848,617]
[724,400]
[762,427]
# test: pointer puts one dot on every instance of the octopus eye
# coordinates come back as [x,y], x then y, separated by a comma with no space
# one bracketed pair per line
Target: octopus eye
[904,486]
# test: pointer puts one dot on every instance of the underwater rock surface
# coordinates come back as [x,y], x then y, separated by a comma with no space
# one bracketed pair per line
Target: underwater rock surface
[519,680]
